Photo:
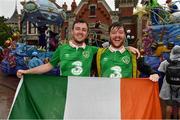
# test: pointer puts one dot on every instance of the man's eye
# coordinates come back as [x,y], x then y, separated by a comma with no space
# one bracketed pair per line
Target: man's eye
[77,28]
[84,30]
[113,32]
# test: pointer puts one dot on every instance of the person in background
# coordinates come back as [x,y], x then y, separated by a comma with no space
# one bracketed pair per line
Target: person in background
[116,61]
[168,92]
[75,58]
[35,61]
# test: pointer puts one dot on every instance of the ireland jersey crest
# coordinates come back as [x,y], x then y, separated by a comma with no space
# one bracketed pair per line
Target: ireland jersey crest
[86,54]
[126,59]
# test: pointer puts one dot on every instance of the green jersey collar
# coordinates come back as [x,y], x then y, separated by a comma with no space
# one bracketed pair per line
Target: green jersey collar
[75,46]
[112,49]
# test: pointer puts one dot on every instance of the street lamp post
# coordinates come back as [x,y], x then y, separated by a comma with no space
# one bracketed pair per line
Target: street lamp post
[130,37]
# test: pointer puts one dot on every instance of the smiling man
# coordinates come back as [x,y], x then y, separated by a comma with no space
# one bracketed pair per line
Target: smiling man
[75,58]
[116,61]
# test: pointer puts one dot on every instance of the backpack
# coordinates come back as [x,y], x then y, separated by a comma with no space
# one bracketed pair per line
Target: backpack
[173,72]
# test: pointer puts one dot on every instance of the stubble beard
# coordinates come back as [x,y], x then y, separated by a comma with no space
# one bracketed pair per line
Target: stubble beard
[78,41]
[117,46]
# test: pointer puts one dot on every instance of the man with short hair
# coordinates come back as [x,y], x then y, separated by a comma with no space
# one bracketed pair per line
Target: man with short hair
[116,61]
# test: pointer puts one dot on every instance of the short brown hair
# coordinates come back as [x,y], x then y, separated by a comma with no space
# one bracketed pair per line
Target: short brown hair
[80,21]
[115,24]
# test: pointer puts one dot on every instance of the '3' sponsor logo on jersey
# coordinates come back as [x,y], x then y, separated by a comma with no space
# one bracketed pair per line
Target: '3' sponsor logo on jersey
[77,68]
[116,72]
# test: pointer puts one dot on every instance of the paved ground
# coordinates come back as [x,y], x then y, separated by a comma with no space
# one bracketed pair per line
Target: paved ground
[8,86]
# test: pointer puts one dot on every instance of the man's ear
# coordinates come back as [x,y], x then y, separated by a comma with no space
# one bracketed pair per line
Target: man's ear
[87,35]
[109,42]
[72,31]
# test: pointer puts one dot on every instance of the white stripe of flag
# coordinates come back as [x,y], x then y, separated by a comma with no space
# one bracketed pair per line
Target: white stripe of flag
[99,99]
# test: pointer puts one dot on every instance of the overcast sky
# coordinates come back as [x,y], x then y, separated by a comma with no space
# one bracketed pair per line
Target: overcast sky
[7,6]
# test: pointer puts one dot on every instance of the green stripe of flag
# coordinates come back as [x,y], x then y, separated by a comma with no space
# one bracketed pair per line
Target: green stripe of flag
[40,97]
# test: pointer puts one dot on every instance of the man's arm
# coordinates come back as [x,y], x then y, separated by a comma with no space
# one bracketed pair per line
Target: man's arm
[37,70]
[146,69]
[134,50]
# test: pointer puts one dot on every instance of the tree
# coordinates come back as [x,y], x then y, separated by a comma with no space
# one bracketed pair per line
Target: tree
[5,31]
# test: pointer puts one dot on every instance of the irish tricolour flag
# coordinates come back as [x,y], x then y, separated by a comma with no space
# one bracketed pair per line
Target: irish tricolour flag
[53,97]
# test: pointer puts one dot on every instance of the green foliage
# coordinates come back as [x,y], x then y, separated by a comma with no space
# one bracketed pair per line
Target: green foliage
[5,31]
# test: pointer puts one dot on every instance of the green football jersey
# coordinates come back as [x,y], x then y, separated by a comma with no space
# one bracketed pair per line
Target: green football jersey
[116,64]
[72,61]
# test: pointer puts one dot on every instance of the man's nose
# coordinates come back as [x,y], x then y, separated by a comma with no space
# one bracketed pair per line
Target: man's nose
[117,34]
[80,30]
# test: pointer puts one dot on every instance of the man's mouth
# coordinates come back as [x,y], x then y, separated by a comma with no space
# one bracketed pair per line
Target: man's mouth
[117,39]
[79,36]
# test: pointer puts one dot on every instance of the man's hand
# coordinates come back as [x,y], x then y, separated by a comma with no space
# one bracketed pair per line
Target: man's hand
[20,73]
[154,77]
[134,50]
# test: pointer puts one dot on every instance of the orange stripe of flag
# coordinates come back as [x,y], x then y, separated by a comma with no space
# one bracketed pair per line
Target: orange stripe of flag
[140,99]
